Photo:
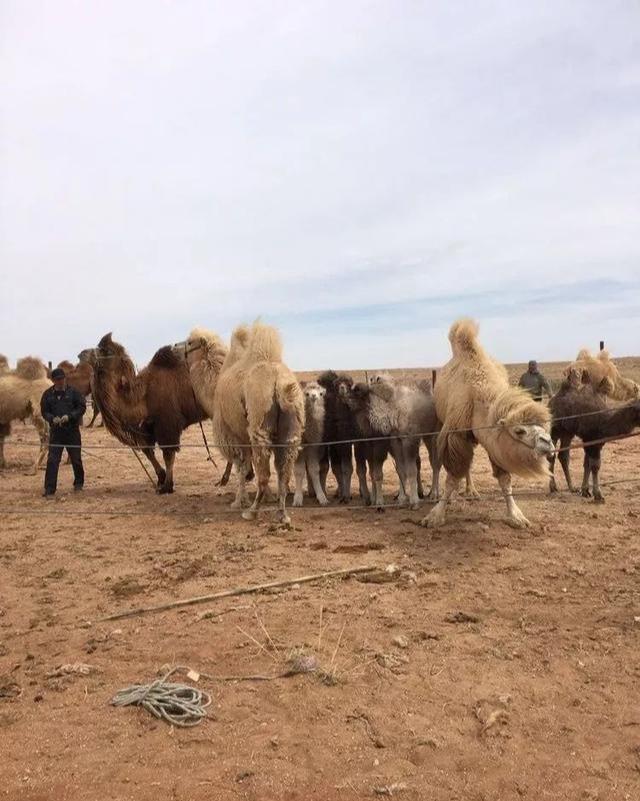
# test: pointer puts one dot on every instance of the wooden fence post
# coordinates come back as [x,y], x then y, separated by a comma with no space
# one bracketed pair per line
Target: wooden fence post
[433,379]
[602,344]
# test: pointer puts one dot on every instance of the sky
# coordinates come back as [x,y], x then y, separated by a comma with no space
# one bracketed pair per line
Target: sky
[359,174]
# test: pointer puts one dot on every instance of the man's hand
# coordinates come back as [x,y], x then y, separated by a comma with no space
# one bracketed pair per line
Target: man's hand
[64,419]
[56,421]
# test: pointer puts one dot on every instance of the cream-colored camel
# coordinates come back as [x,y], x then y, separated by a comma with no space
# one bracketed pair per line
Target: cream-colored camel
[258,407]
[4,364]
[20,394]
[604,374]
[205,353]
[473,392]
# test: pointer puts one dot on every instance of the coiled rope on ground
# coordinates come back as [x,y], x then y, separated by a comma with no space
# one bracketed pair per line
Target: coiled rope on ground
[178,704]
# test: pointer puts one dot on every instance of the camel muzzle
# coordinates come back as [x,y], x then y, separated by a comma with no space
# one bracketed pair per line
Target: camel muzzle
[544,446]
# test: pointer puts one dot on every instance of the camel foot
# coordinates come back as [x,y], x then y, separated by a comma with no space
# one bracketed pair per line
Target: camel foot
[297,500]
[435,518]
[283,519]
[414,506]
[345,499]
[380,510]
[323,500]
[598,499]
[471,495]
[165,489]
[162,477]
[518,520]
[249,514]
[585,492]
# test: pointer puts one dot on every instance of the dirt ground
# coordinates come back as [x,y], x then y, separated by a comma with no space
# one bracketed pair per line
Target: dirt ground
[495,664]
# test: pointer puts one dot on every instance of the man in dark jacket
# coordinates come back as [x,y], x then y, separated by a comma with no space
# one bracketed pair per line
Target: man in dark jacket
[534,382]
[62,407]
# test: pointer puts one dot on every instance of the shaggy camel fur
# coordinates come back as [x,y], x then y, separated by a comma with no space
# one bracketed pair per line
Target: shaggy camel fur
[600,421]
[145,408]
[598,368]
[258,404]
[20,393]
[310,457]
[473,392]
[341,427]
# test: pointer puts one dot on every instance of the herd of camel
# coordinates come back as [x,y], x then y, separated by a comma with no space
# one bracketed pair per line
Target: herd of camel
[260,412]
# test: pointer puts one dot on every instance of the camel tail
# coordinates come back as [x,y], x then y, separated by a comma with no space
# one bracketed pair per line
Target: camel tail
[265,344]
[463,336]
[455,451]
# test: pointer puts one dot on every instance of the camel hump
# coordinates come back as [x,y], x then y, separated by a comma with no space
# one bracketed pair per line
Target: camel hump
[463,336]
[604,355]
[167,358]
[583,355]
[30,368]
[265,344]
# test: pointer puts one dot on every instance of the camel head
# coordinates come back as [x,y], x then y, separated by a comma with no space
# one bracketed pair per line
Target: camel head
[357,395]
[4,364]
[313,393]
[87,356]
[529,435]
[518,440]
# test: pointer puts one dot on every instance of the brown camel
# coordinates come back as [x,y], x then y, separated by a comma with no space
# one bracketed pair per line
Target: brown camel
[80,377]
[147,408]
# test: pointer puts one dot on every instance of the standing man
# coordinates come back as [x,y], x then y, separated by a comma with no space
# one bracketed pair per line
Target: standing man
[62,407]
[534,382]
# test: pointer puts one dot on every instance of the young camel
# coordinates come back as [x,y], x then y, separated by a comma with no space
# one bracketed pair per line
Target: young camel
[580,410]
[312,452]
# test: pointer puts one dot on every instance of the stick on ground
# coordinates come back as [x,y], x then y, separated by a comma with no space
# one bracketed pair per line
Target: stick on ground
[200,599]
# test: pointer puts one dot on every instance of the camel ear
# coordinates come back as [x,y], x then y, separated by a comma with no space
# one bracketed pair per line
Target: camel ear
[501,422]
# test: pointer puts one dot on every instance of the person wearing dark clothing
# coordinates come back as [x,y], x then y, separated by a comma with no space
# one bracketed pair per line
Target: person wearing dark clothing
[534,382]
[62,407]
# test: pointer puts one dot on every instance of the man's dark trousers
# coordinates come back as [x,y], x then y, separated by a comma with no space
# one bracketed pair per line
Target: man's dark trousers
[59,439]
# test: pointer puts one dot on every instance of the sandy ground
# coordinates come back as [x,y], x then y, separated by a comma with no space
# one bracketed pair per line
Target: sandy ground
[495,665]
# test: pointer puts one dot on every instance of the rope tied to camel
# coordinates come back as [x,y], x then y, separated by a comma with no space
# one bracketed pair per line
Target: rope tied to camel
[178,704]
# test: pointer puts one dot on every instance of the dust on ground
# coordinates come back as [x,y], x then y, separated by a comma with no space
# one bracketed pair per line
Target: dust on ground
[496,664]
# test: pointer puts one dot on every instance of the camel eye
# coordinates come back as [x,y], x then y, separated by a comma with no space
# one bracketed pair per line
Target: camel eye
[520,432]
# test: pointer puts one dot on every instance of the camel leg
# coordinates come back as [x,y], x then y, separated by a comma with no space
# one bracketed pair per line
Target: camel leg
[242,497]
[346,470]
[438,515]
[5,430]
[470,491]
[224,480]
[411,459]
[314,473]
[284,461]
[262,466]
[594,463]
[299,471]
[324,468]
[335,459]
[378,455]
[434,461]
[160,472]
[565,457]
[419,475]
[169,455]
[399,459]
[586,473]
[361,470]
[515,518]
[43,434]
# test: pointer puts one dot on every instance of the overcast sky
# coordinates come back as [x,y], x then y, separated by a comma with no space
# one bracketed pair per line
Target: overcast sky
[358,173]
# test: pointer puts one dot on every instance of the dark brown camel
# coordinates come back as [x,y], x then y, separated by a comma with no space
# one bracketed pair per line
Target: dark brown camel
[598,421]
[147,408]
